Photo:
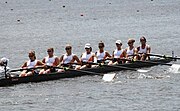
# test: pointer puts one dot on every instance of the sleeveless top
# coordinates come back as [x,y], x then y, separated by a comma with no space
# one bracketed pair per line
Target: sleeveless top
[50,61]
[117,53]
[31,64]
[141,50]
[67,59]
[130,52]
[85,57]
[100,56]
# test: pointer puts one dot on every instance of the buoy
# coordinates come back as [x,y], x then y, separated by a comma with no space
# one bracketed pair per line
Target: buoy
[11,9]
[82,15]
[63,6]
[18,20]
[5,2]
[137,10]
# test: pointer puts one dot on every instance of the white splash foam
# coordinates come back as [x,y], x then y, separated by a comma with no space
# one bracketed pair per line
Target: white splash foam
[175,68]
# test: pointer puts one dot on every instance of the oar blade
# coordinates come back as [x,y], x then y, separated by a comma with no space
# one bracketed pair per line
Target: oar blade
[175,68]
[143,71]
[109,77]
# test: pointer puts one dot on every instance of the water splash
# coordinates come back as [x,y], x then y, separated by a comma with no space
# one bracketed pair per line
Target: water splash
[175,68]
[143,76]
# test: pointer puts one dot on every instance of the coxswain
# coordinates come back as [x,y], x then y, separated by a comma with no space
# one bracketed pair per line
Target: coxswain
[4,69]
[68,59]
[118,54]
[143,50]
[31,63]
[50,62]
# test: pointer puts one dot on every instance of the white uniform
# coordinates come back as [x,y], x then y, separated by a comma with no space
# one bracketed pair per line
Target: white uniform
[85,57]
[31,64]
[130,52]
[100,56]
[141,50]
[117,53]
[67,59]
[50,61]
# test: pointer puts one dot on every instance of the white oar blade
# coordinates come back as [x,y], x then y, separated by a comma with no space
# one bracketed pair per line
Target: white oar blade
[109,77]
[143,71]
[175,68]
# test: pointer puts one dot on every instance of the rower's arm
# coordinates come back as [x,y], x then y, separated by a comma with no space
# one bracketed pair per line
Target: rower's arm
[107,55]
[39,63]
[24,65]
[43,61]
[56,62]
[112,55]
[123,54]
[148,49]
[61,58]
[75,58]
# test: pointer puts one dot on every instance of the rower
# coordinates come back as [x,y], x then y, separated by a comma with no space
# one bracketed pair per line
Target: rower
[118,54]
[143,50]
[130,50]
[101,54]
[50,61]
[31,63]
[68,59]
[87,56]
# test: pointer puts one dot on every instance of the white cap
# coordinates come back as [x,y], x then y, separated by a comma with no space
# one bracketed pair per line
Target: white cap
[88,45]
[118,42]
[4,59]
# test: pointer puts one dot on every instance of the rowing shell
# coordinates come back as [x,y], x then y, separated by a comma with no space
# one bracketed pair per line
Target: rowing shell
[72,73]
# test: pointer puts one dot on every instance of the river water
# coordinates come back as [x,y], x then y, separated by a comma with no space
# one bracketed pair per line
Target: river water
[39,24]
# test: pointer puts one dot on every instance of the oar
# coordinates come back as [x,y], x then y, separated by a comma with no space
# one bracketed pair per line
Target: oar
[106,77]
[127,68]
[122,67]
[175,67]
[163,56]
[84,71]
[22,69]
[156,63]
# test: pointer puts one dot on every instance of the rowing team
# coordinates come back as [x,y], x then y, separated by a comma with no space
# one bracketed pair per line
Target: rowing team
[69,59]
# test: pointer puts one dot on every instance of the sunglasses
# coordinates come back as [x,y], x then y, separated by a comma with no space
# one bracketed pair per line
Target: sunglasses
[118,44]
[142,40]
[31,56]
[129,42]
[67,48]
[87,48]
[100,46]
[49,51]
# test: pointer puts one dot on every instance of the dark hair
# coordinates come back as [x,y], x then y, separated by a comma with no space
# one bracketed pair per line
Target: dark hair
[33,53]
[131,40]
[52,49]
[91,49]
[143,38]
[101,43]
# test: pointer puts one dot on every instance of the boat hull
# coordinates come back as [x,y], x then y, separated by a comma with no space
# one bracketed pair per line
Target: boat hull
[73,73]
